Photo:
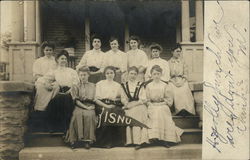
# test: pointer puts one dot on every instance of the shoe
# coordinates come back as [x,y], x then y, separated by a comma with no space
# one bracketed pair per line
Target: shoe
[73,146]
[137,147]
[166,145]
[108,146]
[87,146]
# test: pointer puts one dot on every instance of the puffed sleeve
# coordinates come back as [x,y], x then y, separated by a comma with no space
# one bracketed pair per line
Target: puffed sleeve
[124,64]
[75,78]
[36,67]
[168,95]
[142,95]
[167,71]
[144,59]
[124,98]
[83,61]
[185,70]
[98,91]
[74,91]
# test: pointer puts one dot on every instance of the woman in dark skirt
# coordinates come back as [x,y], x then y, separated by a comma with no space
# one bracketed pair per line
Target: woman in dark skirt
[60,108]
[108,97]
[83,122]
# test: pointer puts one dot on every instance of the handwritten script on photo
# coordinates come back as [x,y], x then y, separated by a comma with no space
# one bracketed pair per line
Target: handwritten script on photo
[226,80]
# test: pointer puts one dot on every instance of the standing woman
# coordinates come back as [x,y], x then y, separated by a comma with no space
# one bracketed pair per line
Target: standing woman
[134,98]
[94,60]
[43,64]
[61,106]
[137,57]
[162,127]
[116,58]
[183,98]
[108,97]
[83,121]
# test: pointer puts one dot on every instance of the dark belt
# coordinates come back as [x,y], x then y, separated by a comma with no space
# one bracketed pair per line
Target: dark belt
[109,102]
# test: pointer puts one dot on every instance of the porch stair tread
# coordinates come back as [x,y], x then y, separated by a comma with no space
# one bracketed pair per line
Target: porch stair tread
[46,139]
[180,151]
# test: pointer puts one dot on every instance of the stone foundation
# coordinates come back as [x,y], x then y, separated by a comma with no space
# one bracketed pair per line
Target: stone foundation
[15,98]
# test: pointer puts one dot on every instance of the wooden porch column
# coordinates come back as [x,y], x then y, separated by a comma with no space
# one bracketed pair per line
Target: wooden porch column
[17,12]
[38,28]
[126,37]
[185,24]
[199,20]
[31,20]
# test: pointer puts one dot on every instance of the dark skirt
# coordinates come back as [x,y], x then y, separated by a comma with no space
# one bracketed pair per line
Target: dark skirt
[110,135]
[59,112]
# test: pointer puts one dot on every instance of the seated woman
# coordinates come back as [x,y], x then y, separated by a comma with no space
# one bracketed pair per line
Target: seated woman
[162,127]
[183,98]
[133,97]
[108,97]
[94,60]
[60,108]
[116,58]
[83,121]
[45,87]
[45,63]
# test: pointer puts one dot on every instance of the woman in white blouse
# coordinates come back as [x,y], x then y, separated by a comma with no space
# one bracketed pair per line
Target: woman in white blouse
[108,97]
[137,57]
[60,108]
[116,58]
[156,50]
[133,97]
[94,60]
[43,64]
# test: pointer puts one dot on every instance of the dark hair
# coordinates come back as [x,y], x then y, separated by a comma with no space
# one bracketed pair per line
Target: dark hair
[47,44]
[156,68]
[135,38]
[176,46]
[133,68]
[62,53]
[95,36]
[113,39]
[109,68]
[156,46]
[84,69]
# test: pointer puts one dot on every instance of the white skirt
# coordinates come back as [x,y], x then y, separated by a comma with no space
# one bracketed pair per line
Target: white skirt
[162,126]
[137,135]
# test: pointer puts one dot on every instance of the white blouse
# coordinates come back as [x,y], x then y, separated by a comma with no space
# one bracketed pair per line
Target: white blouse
[43,64]
[137,58]
[65,76]
[92,58]
[107,90]
[117,59]
[163,64]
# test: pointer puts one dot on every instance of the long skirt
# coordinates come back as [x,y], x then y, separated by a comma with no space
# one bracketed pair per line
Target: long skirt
[43,97]
[96,78]
[110,135]
[137,135]
[183,98]
[82,126]
[59,111]
[161,124]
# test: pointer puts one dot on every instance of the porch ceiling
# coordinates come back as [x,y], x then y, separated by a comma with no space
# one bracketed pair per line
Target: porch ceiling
[142,16]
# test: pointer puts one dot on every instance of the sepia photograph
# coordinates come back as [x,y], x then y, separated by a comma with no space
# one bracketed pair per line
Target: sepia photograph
[122,79]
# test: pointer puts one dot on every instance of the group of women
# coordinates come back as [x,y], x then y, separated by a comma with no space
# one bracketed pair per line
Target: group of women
[127,83]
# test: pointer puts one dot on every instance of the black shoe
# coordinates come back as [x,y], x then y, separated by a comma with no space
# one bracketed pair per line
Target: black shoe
[73,146]
[165,144]
[137,147]
[87,146]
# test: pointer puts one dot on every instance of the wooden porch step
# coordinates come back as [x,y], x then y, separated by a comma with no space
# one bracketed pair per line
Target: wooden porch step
[45,139]
[186,122]
[181,151]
